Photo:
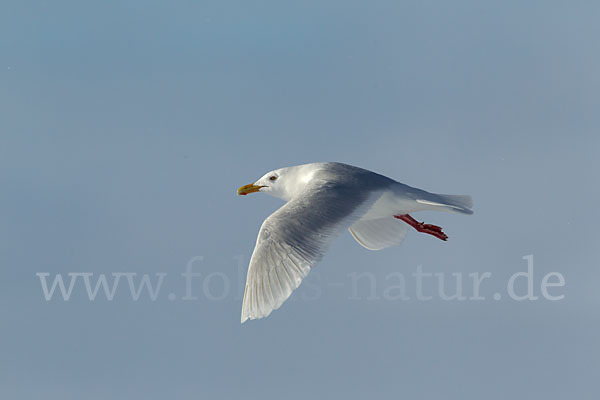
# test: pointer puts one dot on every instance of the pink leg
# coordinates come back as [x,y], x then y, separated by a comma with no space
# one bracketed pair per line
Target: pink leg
[422,227]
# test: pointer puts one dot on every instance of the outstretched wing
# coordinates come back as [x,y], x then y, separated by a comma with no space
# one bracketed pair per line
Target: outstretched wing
[293,239]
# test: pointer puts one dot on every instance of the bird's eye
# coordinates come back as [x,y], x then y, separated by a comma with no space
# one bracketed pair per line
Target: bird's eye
[272,178]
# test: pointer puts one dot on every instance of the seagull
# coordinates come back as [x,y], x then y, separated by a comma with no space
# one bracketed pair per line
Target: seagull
[322,201]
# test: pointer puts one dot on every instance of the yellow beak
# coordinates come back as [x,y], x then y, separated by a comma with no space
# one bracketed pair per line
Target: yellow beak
[246,189]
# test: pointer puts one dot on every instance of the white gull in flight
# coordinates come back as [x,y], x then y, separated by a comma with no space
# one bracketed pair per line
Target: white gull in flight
[323,200]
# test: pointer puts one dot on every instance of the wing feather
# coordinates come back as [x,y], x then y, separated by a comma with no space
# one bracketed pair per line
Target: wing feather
[377,234]
[293,239]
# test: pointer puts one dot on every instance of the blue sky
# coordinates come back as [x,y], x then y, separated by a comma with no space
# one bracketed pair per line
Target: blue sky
[127,127]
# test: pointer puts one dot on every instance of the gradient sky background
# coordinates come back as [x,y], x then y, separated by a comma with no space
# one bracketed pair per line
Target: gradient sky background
[127,126]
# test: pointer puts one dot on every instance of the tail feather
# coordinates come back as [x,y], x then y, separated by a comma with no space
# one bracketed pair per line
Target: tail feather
[451,202]
[458,200]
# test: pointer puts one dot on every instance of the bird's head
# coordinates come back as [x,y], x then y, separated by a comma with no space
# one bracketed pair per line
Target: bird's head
[283,183]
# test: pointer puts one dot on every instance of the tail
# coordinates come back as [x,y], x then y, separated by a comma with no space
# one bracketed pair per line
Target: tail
[449,202]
